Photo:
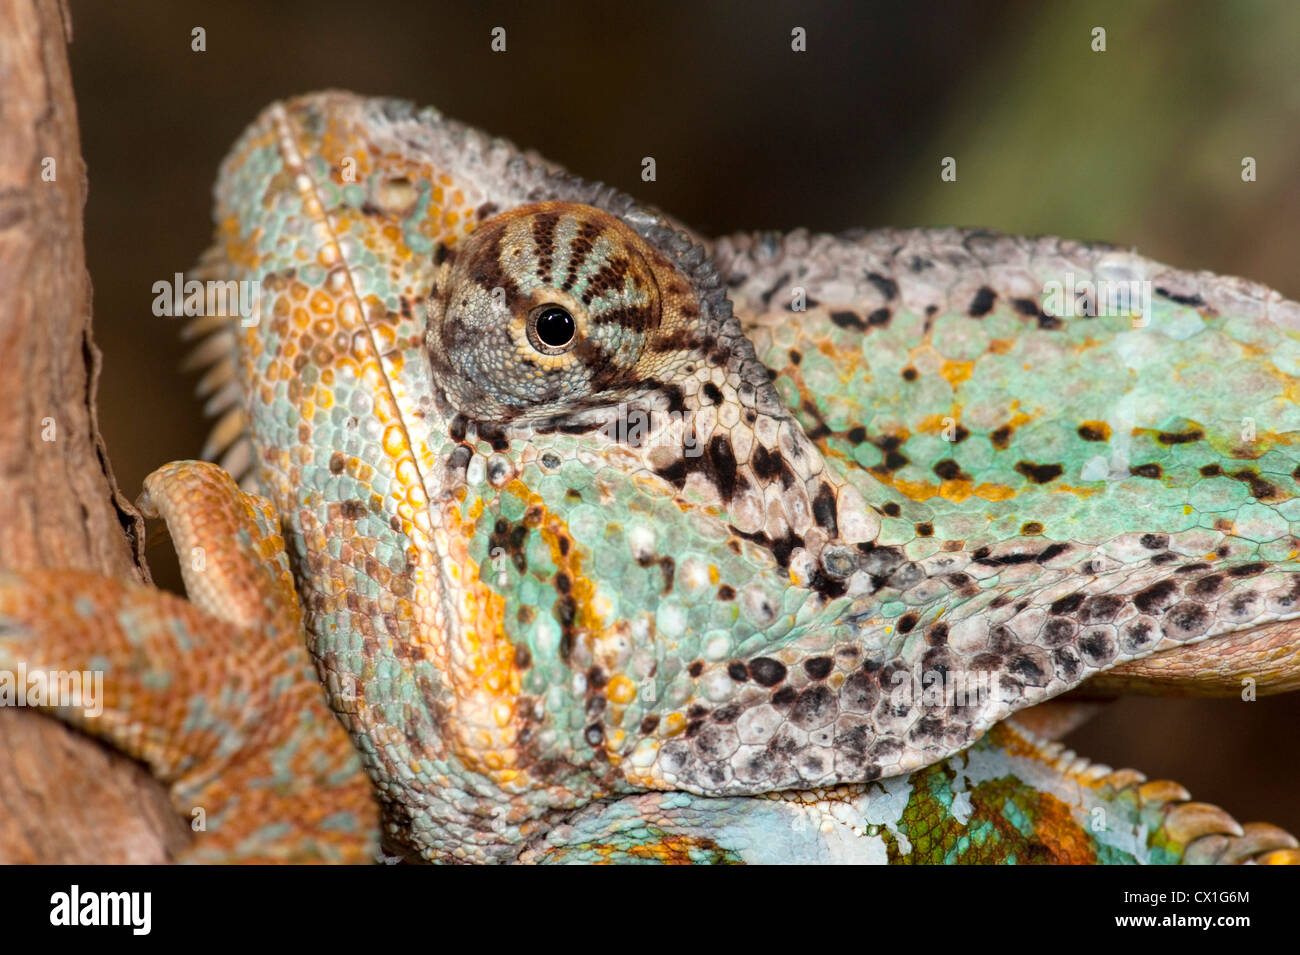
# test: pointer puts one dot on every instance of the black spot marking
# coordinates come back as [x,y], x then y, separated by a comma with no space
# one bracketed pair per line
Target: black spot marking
[1146,470]
[894,459]
[1186,620]
[1260,489]
[783,697]
[818,668]
[1039,473]
[848,320]
[982,303]
[1101,609]
[1180,437]
[1097,647]
[1248,570]
[1136,636]
[729,713]
[1028,669]
[824,510]
[768,465]
[887,286]
[950,470]
[1059,630]
[1154,541]
[1191,301]
[766,672]
[1156,597]
[1067,604]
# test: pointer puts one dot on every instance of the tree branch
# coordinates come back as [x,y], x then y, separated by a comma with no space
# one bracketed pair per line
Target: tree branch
[63,797]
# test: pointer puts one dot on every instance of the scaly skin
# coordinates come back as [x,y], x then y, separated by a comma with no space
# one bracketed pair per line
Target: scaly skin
[677,585]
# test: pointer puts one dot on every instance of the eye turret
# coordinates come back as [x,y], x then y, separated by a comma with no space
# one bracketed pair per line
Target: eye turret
[543,305]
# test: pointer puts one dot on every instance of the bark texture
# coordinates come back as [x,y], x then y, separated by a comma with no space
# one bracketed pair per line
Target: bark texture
[63,797]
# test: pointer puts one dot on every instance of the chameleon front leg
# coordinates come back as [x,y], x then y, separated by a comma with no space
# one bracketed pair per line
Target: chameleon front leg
[217,694]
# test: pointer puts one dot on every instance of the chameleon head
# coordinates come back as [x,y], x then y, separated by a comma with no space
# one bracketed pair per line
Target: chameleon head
[547,502]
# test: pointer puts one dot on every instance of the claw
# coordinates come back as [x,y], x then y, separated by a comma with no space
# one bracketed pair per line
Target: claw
[1279,857]
[1162,791]
[1190,821]
[1259,838]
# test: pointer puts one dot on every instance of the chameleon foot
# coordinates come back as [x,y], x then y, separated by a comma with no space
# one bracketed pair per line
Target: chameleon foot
[217,695]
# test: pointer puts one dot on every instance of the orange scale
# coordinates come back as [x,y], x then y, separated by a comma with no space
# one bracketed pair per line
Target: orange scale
[322,303]
[406,473]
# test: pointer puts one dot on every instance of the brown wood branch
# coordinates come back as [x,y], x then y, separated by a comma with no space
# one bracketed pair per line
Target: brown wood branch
[63,797]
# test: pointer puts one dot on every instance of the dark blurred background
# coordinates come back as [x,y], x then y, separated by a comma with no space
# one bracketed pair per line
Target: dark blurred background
[1140,145]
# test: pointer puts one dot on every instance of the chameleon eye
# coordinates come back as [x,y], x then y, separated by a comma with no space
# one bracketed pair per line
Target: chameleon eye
[551,329]
[550,304]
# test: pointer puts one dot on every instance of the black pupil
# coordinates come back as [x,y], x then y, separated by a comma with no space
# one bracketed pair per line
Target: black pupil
[554,327]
